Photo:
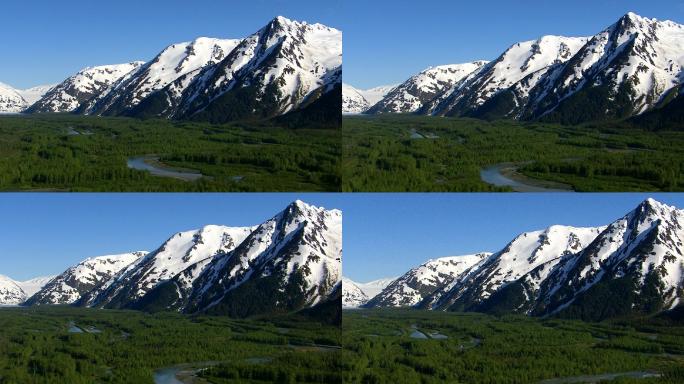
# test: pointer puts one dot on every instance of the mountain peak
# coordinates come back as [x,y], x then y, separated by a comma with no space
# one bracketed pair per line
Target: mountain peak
[7,278]
[281,19]
[652,207]
[298,211]
[281,24]
[299,206]
[631,20]
[632,16]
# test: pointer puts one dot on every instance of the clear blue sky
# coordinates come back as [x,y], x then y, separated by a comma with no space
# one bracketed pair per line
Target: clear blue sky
[45,41]
[44,234]
[385,235]
[386,41]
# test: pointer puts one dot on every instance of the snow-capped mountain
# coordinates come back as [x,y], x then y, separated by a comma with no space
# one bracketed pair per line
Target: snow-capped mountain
[10,292]
[411,95]
[81,88]
[359,100]
[14,292]
[635,265]
[375,94]
[175,67]
[638,258]
[284,66]
[528,60]
[412,287]
[352,100]
[183,250]
[352,295]
[627,69]
[79,280]
[531,255]
[11,100]
[633,66]
[355,294]
[30,287]
[290,262]
[17,100]
[33,94]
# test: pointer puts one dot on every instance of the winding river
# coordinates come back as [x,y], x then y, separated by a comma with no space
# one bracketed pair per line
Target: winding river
[150,163]
[182,373]
[167,376]
[601,377]
[505,175]
[187,373]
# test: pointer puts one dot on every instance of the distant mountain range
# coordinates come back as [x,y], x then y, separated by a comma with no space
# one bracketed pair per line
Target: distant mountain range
[633,67]
[18,100]
[634,265]
[16,292]
[285,67]
[288,263]
[355,294]
[359,100]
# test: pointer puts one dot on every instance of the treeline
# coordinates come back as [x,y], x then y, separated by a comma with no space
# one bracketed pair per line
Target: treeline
[36,345]
[65,152]
[289,368]
[423,153]
[378,348]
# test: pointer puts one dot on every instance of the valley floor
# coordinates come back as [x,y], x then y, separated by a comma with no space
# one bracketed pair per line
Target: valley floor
[411,346]
[424,153]
[77,153]
[74,345]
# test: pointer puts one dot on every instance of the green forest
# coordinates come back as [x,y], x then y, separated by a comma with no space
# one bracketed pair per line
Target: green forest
[424,153]
[79,153]
[413,346]
[73,345]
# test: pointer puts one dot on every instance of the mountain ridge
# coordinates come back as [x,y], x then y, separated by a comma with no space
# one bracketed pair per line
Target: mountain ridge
[632,266]
[629,68]
[284,67]
[355,294]
[291,261]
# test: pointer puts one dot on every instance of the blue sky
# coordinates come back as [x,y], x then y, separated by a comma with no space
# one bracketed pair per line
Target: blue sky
[45,41]
[385,235]
[385,41]
[43,234]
